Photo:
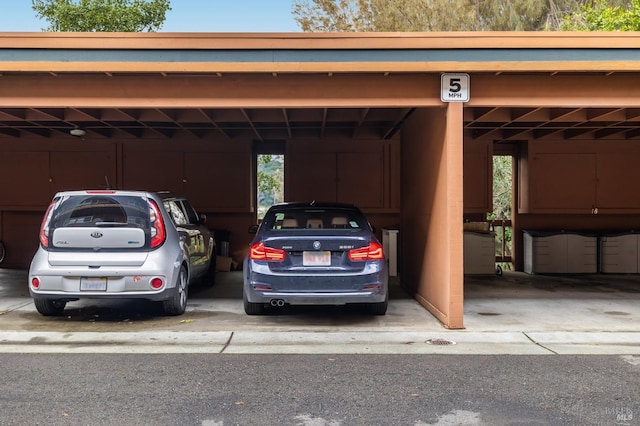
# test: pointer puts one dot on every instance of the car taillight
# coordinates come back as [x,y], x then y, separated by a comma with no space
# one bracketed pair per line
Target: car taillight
[372,252]
[44,226]
[158,231]
[258,251]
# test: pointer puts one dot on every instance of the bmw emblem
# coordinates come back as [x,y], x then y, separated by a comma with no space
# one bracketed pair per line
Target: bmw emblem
[317,245]
[96,234]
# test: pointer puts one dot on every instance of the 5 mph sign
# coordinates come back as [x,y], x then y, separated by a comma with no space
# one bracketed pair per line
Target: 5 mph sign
[455,87]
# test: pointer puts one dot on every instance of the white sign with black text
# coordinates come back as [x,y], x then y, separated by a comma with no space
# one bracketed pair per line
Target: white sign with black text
[455,87]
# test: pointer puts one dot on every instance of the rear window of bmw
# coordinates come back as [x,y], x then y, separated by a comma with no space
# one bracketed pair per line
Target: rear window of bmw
[315,218]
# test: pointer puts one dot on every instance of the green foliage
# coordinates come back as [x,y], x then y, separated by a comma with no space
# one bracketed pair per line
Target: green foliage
[601,15]
[270,181]
[102,15]
[436,15]
[502,187]
[502,201]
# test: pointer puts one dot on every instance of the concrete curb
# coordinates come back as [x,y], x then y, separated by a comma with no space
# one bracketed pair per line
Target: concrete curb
[250,342]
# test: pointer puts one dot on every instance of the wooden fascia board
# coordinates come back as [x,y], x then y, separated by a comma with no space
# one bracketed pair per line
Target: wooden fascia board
[311,41]
[321,67]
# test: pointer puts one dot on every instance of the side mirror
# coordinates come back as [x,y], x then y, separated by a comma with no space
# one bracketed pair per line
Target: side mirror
[253,229]
[203,218]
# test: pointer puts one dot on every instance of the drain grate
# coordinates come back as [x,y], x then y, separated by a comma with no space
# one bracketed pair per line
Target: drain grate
[440,342]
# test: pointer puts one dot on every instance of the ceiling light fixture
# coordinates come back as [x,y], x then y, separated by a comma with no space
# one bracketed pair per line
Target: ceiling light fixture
[77,132]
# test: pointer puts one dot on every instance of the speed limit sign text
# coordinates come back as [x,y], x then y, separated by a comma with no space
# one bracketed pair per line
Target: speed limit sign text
[454,87]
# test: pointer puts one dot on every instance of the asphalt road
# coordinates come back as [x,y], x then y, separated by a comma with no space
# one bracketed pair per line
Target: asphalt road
[318,390]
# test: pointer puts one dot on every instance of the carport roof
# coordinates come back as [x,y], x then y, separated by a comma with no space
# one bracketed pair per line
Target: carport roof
[221,55]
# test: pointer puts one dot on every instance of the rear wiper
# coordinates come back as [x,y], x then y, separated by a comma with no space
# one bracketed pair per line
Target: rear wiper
[111,224]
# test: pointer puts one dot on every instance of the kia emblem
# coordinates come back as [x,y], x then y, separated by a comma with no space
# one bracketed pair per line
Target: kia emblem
[96,234]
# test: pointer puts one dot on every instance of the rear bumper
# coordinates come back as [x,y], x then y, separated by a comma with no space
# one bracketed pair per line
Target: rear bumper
[371,286]
[64,282]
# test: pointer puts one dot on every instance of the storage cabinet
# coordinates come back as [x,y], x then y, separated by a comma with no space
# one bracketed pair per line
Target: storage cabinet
[558,253]
[579,178]
[564,182]
[620,254]
[361,172]
[479,253]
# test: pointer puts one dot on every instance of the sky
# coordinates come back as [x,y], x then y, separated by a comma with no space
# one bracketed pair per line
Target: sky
[184,16]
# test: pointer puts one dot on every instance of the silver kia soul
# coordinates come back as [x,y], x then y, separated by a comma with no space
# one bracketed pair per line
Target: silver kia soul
[120,244]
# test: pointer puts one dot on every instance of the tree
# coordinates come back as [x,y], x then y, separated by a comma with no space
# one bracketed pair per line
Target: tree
[102,15]
[601,15]
[270,181]
[434,15]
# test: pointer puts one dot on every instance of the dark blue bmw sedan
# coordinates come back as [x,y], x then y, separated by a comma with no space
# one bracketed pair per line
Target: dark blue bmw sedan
[315,253]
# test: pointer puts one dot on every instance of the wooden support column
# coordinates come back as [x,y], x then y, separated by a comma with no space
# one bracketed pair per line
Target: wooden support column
[432,208]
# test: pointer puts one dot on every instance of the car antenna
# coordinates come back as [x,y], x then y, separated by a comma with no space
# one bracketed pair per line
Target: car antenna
[106,179]
[313,202]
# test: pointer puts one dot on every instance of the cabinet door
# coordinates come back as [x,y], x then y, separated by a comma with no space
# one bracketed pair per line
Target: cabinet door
[582,254]
[82,170]
[164,172]
[546,255]
[479,253]
[218,180]
[360,179]
[619,254]
[563,182]
[313,177]
[34,188]
[617,174]
[478,174]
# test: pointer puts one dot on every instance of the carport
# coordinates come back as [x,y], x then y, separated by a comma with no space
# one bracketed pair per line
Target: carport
[359,117]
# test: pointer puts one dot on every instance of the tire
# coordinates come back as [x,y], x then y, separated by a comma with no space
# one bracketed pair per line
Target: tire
[50,307]
[251,308]
[177,304]
[3,251]
[378,308]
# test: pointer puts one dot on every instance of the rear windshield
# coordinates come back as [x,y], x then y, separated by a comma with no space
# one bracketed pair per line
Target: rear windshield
[314,218]
[100,210]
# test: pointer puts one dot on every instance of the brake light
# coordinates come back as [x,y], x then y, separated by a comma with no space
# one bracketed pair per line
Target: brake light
[158,231]
[44,226]
[258,251]
[372,252]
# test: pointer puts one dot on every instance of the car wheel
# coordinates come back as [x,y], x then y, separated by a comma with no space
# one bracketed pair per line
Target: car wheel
[251,308]
[177,304]
[378,308]
[50,307]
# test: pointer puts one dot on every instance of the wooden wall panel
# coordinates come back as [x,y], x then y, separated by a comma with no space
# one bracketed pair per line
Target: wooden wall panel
[312,176]
[82,170]
[24,179]
[153,170]
[478,179]
[362,172]
[20,236]
[618,180]
[360,179]
[218,180]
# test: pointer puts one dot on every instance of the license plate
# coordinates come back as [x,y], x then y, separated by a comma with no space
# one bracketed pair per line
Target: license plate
[93,284]
[316,258]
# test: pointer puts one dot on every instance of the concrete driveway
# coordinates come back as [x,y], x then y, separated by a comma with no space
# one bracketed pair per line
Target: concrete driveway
[514,313]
